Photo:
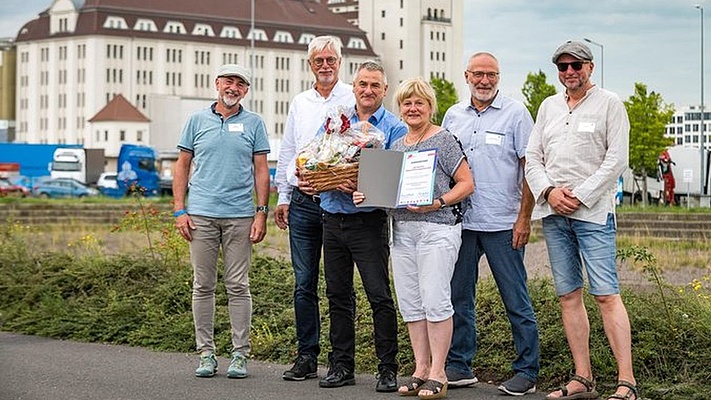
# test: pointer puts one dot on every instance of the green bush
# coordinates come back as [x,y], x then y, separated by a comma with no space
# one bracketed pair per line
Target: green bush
[142,300]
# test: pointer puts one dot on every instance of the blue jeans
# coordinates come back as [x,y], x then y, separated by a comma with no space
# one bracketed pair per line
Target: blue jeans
[305,241]
[570,242]
[509,272]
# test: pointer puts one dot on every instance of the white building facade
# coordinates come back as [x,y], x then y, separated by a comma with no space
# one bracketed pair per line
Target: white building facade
[414,38]
[685,127]
[79,54]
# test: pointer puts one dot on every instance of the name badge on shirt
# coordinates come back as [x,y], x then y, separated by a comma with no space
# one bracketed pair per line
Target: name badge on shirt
[237,127]
[494,138]
[586,127]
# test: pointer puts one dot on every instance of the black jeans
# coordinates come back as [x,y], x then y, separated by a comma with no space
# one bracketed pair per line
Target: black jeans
[361,238]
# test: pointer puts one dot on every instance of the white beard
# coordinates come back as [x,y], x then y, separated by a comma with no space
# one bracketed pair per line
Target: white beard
[229,101]
[483,97]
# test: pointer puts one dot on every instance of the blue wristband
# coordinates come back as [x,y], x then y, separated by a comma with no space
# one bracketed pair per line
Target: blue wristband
[178,213]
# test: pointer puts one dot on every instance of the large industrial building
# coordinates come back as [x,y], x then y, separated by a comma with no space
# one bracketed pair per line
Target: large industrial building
[161,57]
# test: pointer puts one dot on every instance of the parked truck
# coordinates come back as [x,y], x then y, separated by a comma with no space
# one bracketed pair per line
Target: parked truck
[34,160]
[686,165]
[136,166]
[83,165]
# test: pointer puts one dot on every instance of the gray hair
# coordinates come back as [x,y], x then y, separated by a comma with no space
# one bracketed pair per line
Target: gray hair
[484,53]
[320,43]
[371,65]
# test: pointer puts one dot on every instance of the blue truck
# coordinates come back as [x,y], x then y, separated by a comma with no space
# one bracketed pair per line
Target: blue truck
[136,166]
[34,160]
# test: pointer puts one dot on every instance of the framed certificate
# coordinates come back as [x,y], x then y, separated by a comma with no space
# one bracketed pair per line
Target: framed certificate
[393,179]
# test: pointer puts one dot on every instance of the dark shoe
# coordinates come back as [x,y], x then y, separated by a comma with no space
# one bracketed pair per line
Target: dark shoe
[459,379]
[304,368]
[387,381]
[338,376]
[518,386]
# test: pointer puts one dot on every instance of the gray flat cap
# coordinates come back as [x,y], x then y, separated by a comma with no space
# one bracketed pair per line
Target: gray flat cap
[578,50]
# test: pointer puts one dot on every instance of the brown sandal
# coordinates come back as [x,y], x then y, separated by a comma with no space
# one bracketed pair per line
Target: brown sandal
[631,390]
[413,386]
[438,389]
[589,393]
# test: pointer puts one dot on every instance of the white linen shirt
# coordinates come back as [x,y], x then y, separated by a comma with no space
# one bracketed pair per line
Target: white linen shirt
[307,112]
[584,149]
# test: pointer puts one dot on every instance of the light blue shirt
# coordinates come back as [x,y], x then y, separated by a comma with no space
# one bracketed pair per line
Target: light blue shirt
[222,180]
[494,141]
[335,201]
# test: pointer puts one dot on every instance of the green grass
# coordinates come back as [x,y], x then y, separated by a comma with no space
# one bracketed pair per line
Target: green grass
[141,297]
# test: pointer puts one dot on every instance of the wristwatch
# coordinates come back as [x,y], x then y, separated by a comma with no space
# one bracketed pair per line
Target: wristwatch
[442,204]
[263,209]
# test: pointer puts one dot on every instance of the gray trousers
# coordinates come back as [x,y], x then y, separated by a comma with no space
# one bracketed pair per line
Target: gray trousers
[232,234]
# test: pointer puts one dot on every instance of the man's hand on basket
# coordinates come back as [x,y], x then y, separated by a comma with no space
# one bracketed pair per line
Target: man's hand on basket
[347,187]
[305,186]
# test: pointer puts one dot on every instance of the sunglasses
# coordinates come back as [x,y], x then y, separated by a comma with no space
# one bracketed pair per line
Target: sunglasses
[577,65]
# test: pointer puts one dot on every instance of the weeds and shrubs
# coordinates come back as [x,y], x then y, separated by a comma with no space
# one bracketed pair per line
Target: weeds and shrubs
[144,299]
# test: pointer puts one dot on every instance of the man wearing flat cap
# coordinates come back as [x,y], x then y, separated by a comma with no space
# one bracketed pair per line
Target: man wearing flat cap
[577,151]
[227,146]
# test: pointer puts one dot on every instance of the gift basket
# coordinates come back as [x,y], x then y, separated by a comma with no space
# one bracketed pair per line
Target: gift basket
[332,158]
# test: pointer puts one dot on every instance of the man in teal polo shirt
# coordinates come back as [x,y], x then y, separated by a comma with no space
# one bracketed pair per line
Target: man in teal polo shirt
[228,147]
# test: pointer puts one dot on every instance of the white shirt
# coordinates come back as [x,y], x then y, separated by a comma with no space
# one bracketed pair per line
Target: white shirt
[584,149]
[307,112]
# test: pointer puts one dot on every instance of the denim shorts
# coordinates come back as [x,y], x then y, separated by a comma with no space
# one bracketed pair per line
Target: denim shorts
[572,243]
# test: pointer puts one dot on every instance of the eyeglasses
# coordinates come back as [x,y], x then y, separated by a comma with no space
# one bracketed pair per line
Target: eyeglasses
[318,62]
[482,74]
[577,65]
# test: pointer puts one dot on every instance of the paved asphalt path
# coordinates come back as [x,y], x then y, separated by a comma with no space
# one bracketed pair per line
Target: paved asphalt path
[36,368]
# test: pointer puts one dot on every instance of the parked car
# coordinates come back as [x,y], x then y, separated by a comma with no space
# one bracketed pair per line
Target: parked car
[28,182]
[107,180]
[63,187]
[8,188]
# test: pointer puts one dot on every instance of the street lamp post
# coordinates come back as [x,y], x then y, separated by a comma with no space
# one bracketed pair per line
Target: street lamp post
[702,131]
[602,61]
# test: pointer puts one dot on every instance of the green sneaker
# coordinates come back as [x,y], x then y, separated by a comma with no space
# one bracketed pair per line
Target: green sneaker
[208,366]
[238,366]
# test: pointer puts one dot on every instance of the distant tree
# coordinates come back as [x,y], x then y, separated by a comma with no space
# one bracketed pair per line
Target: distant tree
[535,90]
[648,115]
[446,97]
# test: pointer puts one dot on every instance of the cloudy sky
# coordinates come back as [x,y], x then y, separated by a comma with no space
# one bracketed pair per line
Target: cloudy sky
[656,42]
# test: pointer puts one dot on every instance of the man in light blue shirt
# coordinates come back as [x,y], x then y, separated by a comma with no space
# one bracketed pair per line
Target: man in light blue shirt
[360,235]
[494,131]
[227,145]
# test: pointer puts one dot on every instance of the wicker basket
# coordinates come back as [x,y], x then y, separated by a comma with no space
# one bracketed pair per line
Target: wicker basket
[329,179]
